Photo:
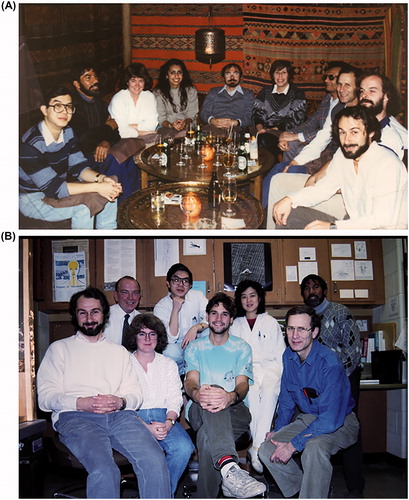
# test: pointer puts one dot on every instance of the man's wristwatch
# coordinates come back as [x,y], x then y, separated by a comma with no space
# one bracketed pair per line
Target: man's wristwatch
[171,421]
[123,404]
[333,225]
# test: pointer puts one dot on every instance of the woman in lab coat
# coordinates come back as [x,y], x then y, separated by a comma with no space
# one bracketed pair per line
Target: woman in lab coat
[266,339]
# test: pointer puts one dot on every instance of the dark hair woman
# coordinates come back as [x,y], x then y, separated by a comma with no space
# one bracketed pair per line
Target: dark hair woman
[176,96]
[264,335]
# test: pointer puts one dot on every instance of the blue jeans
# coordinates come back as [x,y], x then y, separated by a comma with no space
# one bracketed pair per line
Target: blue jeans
[177,445]
[174,351]
[127,172]
[277,169]
[31,205]
[91,438]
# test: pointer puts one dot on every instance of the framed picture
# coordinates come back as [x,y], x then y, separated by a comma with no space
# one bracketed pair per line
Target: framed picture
[193,246]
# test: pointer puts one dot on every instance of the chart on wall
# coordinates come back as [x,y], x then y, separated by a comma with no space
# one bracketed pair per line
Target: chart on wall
[247,261]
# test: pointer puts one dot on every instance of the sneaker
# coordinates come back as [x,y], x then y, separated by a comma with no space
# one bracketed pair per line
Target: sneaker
[255,461]
[239,484]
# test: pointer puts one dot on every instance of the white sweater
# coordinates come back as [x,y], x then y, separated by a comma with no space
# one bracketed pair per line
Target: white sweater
[75,367]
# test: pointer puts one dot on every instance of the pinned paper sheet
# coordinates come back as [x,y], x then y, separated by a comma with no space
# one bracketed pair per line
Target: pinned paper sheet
[306,268]
[291,273]
[341,250]
[307,253]
[361,294]
[346,293]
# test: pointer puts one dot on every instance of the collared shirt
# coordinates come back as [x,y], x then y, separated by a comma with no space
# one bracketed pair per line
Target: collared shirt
[48,136]
[375,197]
[232,92]
[323,372]
[114,326]
[285,91]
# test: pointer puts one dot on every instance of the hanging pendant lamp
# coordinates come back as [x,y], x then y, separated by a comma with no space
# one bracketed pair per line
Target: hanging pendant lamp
[210,44]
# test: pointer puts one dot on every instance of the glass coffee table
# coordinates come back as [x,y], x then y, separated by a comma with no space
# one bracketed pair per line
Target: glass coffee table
[148,162]
[136,212]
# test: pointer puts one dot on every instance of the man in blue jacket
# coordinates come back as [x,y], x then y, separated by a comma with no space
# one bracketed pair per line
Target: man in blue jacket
[315,382]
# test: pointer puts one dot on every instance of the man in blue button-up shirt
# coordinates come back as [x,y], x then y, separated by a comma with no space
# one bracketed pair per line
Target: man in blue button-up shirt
[315,382]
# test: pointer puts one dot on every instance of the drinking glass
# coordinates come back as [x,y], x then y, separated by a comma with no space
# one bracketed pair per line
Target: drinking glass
[160,144]
[217,151]
[181,149]
[229,194]
[190,132]
[229,159]
[187,205]
[202,164]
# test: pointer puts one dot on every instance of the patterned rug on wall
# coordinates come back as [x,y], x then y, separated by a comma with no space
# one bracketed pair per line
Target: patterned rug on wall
[309,36]
[161,32]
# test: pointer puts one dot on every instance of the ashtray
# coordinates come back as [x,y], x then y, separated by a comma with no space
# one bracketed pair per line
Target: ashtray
[205,223]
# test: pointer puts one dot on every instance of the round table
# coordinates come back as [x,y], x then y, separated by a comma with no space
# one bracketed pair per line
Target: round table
[146,161]
[136,213]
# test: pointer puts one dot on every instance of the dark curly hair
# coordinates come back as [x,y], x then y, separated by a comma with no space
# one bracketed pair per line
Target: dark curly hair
[241,287]
[137,70]
[89,293]
[163,85]
[146,320]
[224,299]
[367,116]
[279,65]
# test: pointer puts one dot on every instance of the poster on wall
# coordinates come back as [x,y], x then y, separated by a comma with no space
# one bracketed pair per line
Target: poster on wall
[247,261]
[70,267]
[69,272]
[119,260]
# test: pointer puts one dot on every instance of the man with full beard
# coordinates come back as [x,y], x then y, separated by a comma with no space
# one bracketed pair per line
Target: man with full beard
[96,131]
[218,373]
[341,334]
[372,180]
[91,387]
[230,105]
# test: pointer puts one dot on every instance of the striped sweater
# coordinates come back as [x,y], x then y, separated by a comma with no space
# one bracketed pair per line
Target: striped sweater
[47,168]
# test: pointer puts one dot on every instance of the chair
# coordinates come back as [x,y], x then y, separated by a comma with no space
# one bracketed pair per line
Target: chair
[60,456]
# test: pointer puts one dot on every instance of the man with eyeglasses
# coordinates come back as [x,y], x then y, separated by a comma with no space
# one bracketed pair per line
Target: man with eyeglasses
[127,295]
[56,181]
[341,334]
[315,382]
[230,106]
[182,311]
[91,387]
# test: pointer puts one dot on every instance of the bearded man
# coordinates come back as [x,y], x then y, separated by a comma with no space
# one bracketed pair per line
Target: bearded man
[371,177]
[91,387]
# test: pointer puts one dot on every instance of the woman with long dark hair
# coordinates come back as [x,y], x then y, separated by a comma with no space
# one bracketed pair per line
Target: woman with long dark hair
[176,96]
[254,325]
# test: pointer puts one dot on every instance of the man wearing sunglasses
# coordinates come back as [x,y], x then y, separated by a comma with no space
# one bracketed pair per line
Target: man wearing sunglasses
[182,311]
[314,380]
[56,181]
[291,142]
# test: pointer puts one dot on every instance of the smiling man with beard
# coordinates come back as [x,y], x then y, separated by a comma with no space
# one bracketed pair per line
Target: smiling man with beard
[218,373]
[91,387]
[372,180]
[230,105]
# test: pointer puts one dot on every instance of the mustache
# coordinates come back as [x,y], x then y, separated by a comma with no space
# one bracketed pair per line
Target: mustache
[367,100]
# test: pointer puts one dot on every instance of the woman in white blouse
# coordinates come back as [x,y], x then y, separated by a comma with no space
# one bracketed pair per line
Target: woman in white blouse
[264,335]
[134,107]
[161,386]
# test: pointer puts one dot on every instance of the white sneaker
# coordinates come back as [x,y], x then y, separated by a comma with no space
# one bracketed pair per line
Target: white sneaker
[255,461]
[239,484]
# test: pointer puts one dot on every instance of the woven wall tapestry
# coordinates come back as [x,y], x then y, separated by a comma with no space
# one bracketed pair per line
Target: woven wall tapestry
[161,32]
[309,36]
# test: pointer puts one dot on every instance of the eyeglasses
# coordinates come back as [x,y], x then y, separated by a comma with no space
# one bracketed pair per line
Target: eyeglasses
[300,330]
[177,281]
[58,107]
[150,335]
[330,77]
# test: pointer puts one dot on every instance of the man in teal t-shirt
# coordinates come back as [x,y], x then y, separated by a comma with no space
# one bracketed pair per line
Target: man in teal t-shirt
[218,373]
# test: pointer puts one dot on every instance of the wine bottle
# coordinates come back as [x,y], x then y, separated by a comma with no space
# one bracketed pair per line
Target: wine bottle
[214,193]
